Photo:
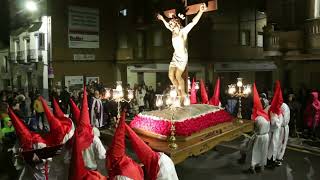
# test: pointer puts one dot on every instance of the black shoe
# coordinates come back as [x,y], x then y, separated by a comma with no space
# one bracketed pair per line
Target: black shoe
[242,160]
[278,163]
[259,169]
[249,171]
[270,164]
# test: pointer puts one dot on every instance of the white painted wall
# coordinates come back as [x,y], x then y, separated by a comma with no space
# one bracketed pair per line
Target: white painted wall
[132,77]
[3,74]
[150,71]
[150,79]
[34,45]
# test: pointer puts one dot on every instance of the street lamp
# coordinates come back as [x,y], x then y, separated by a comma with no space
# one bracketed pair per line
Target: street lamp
[243,92]
[31,6]
[118,97]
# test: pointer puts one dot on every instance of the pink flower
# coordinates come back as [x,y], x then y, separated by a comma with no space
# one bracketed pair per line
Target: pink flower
[183,128]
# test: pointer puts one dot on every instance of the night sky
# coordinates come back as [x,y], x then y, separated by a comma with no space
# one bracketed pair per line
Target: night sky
[4,21]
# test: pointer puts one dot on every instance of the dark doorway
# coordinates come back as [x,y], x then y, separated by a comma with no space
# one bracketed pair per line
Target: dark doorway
[227,78]
[263,81]
[163,81]
[140,78]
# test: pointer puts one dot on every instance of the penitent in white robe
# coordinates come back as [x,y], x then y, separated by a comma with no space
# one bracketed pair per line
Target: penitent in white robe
[274,135]
[284,132]
[258,155]
[167,169]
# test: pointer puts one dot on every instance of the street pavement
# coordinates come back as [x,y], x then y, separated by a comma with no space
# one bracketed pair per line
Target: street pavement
[221,164]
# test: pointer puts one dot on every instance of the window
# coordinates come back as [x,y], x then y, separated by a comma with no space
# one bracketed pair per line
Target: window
[245,38]
[17,50]
[6,83]
[123,12]
[316,8]
[27,49]
[140,77]
[41,41]
[260,39]
[17,45]
[140,38]
[157,38]
[140,43]
[123,41]
[6,64]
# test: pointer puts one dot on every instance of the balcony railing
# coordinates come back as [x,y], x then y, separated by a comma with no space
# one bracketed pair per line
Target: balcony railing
[32,55]
[277,43]
[312,31]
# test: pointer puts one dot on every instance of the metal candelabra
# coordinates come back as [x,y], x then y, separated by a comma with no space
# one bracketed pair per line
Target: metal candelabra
[172,102]
[240,91]
[118,97]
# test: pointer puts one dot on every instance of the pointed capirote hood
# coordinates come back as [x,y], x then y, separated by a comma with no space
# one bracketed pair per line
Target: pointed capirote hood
[84,125]
[277,99]
[257,109]
[193,96]
[57,110]
[56,134]
[75,112]
[146,155]
[66,123]
[204,95]
[118,163]
[215,99]
[27,138]
[77,169]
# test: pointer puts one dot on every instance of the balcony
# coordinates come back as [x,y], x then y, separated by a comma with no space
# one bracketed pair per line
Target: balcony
[32,55]
[278,43]
[312,31]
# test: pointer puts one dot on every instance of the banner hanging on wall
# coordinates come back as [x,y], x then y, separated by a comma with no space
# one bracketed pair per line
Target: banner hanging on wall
[83,27]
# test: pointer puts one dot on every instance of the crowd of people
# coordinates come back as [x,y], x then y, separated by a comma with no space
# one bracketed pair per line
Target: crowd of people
[78,135]
[273,123]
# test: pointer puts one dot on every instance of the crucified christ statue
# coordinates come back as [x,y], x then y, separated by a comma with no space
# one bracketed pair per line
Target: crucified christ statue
[179,42]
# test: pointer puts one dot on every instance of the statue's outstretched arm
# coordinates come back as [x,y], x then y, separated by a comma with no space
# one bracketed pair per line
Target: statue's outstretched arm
[195,20]
[164,22]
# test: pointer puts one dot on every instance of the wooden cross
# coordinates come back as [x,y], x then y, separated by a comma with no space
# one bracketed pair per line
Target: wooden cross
[193,9]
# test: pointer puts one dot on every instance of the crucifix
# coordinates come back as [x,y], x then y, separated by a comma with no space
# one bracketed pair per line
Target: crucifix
[178,73]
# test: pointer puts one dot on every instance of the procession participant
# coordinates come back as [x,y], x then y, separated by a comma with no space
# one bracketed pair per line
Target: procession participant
[204,94]
[157,165]
[61,130]
[284,133]
[312,114]
[193,93]
[87,148]
[215,99]
[257,154]
[57,110]
[96,110]
[276,119]
[119,165]
[33,167]
[75,112]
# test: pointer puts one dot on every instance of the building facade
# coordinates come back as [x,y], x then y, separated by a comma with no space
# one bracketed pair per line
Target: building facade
[5,70]
[221,44]
[258,40]
[292,40]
